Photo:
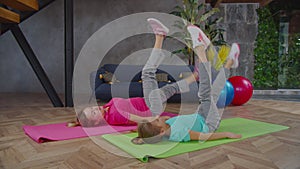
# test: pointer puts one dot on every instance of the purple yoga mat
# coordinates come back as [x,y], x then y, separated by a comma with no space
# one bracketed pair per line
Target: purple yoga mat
[60,131]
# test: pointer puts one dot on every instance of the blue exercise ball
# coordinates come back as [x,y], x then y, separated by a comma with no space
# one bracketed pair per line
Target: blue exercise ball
[226,95]
[230,93]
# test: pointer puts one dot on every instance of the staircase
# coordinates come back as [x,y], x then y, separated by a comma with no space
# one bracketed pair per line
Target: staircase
[12,13]
[9,12]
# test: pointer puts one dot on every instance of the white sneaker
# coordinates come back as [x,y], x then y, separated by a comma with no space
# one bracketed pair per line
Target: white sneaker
[198,36]
[157,27]
[234,55]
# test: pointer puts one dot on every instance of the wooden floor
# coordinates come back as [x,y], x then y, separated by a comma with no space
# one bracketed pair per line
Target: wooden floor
[276,150]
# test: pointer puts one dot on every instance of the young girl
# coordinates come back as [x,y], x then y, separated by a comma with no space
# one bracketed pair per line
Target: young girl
[129,111]
[200,125]
[118,111]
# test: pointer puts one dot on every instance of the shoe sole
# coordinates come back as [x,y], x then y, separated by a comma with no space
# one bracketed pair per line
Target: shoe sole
[203,37]
[159,23]
[236,58]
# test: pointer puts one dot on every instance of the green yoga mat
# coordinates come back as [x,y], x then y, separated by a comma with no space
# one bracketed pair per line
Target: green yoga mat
[248,128]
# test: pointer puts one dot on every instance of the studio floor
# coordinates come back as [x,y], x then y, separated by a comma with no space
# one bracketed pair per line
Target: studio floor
[275,150]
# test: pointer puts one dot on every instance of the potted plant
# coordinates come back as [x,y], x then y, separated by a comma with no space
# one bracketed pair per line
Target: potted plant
[196,14]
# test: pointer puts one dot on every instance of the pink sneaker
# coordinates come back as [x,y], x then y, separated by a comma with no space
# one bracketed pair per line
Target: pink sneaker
[157,27]
[234,54]
[198,36]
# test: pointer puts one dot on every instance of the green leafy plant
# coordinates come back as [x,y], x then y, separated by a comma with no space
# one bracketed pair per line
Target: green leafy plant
[194,13]
[266,51]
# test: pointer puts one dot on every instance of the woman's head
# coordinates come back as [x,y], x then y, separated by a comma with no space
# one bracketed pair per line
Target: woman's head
[151,132]
[91,116]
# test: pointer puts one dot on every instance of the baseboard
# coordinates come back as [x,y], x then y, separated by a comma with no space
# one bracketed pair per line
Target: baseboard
[277,92]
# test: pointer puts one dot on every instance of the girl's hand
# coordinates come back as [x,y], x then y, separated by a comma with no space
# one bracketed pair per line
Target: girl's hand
[164,118]
[233,135]
[151,118]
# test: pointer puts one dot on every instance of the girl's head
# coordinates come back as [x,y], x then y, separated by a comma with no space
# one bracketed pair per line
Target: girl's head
[151,132]
[91,116]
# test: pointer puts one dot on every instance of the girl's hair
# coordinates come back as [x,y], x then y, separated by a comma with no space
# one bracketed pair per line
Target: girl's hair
[82,120]
[147,133]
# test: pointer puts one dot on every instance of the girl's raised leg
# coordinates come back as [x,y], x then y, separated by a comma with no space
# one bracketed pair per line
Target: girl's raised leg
[207,107]
[155,97]
[232,62]
[151,93]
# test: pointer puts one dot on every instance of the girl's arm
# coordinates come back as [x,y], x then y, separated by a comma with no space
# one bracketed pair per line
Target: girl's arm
[138,119]
[74,123]
[194,135]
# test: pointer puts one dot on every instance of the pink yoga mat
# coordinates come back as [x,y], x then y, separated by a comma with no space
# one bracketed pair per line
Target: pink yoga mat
[59,131]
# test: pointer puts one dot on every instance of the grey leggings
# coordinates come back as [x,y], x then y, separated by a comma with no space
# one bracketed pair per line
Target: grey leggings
[156,97]
[208,93]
